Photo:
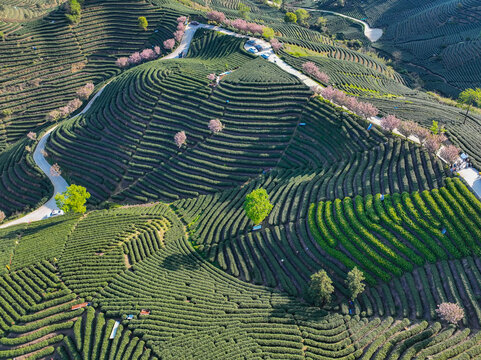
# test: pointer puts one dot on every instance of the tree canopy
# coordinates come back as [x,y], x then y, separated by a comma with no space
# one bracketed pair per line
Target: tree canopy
[257,205]
[354,282]
[143,23]
[290,17]
[320,288]
[73,200]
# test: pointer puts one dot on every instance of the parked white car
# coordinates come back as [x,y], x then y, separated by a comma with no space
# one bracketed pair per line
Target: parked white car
[56,213]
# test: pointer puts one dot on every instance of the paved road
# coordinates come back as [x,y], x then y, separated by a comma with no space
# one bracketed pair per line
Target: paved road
[59,183]
[470,175]
[373,34]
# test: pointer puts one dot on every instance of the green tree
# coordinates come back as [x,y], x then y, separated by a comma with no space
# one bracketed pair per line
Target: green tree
[143,23]
[302,16]
[470,97]
[73,200]
[243,10]
[257,205]
[354,282]
[435,127]
[321,21]
[268,33]
[290,17]
[320,288]
[74,10]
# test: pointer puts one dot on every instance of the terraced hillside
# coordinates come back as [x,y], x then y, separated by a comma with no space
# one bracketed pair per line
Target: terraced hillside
[437,38]
[36,74]
[190,308]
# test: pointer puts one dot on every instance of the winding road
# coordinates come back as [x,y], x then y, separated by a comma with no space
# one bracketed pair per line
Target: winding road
[373,34]
[471,175]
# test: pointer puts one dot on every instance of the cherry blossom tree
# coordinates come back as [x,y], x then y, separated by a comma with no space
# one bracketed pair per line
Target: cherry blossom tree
[215,125]
[169,44]
[407,128]
[180,27]
[55,170]
[211,77]
[239,24]
[74,105]
[178,34]
[64,111]
[157,50]
[85,91]
[53,115]
[433,143]
[450,312]
[421,133]
[216,16]
[147,54]
[450,153]
[180,138]
[328,93]
[366,110]
[181,19]
[312,69]
[390,122]
[135,58]
[317,90]
[276,44]
[254,28]
[2,216]
[122,62]
[44,153]
[32,136]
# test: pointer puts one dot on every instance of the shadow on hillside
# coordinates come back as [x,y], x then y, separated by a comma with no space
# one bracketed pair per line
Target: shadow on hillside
[176,262]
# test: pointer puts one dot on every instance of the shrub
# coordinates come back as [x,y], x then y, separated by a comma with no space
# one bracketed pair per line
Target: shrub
[257,205]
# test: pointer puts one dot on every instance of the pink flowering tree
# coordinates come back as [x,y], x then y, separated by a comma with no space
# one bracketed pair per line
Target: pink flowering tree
[2,216]
[212,77]
[317,90]
[64,111]
[407,128]
[180,138]
[433,143]
[390,122]
[450,312]
[55,170]
[135,58]
[328,93]
[178,34]
[450,153]
[311,69]
[215,126]
[32,136]
[148,54]
[74,105]
[85,91]
[169,44]
[122,62]
[53,115]
[421,133]
[180,27]
[239,24]
[217,16]
[276,44]
[157,50]
[340,97]
[181,19]
[366,110]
